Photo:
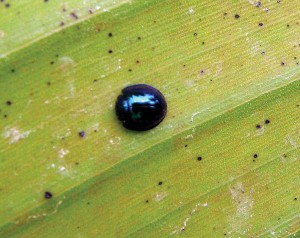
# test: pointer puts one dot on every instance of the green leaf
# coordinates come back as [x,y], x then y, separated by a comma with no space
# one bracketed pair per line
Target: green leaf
[227,152]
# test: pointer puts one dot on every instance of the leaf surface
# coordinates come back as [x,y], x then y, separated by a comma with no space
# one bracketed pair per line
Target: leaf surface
[232,86]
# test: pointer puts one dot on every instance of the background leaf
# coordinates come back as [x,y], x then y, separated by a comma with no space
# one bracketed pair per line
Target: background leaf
[230,73]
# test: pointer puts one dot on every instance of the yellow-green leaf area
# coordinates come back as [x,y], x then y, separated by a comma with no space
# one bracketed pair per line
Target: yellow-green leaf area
[225,160]
[24,22]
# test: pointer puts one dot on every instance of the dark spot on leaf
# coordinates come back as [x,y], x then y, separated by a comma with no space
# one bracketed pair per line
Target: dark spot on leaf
[260,24]
[8,103]
[282,64]
[110,34]
[7,5]
[267,121]
[258,126]
[195,34]
[295,199]
[236,16]
[110,51]
[147,201]
[203,43]
[48,195]
[137,62]
[185,145]
[52,62]
[49,83]
[258,4]
[199,158]
[81,134]
[74,15]
[62,23]
[129,70]
[255,156]
[5,116]
[12,70]
[139,38]
[160,183]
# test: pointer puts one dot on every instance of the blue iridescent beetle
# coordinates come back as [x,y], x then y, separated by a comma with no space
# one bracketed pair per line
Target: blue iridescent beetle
[141,107]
